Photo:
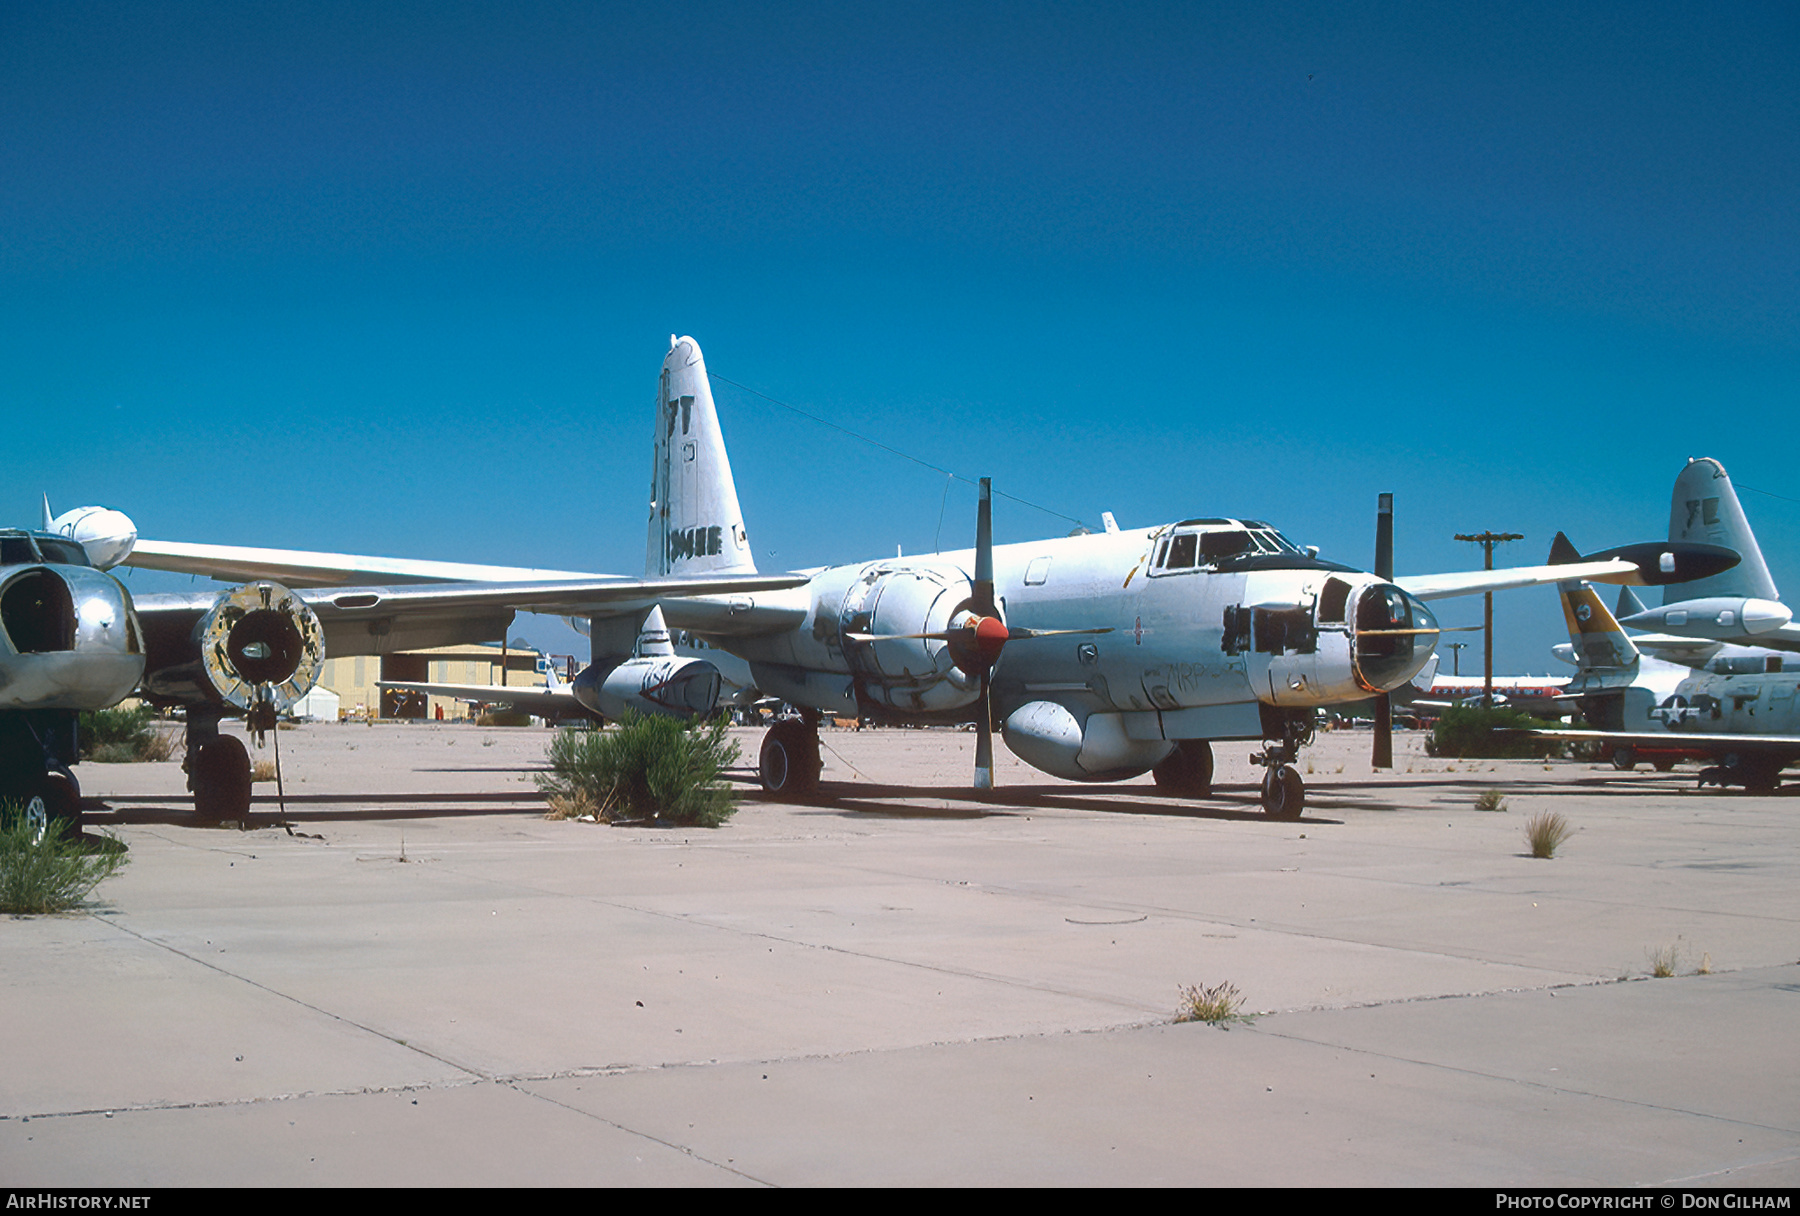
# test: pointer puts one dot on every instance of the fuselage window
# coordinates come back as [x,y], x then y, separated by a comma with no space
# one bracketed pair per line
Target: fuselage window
[1181,552]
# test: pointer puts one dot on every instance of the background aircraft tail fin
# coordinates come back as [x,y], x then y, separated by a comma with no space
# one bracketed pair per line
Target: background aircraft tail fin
[696,525]
[1594,635]
[1705,509]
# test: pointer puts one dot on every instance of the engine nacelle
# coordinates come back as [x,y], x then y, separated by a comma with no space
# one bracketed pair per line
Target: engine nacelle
[260,635]
[1049,737]
[107,535]
[672,687]
[918,675]
[68,639]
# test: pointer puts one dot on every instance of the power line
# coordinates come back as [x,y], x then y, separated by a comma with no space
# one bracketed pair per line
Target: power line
[1767,493]
[892,451]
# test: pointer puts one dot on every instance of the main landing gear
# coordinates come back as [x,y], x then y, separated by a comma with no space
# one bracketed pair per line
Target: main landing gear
[789,763]
[37,748]
[1283,792]
[218,769]
[1188,770]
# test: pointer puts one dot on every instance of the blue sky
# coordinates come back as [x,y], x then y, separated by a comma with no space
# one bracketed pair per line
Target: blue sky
[398,278]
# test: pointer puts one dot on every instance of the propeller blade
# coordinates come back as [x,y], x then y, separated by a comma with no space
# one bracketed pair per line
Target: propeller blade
[982,599]
[1376,633]
[984,739]
[1381,753]
[1015,633]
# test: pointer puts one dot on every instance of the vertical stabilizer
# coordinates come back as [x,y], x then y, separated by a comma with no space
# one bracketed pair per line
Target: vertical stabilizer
[1595,636]
[696,526]
[1704,508]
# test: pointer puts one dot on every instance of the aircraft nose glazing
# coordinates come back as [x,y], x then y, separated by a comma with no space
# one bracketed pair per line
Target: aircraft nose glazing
[1395,635]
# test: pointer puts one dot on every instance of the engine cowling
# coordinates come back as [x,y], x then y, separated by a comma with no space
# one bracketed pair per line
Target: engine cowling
[891,604]
[672,687]
[260,635]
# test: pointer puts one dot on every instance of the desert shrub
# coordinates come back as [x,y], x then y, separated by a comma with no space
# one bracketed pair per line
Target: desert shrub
[1217,1005]
[45,869]
[645,768]
[1490,800]
[122,736]
[1500,733]
[1546,832]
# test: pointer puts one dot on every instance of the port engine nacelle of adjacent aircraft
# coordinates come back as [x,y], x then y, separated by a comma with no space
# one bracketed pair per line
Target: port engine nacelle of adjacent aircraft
[672,687]
[70,638]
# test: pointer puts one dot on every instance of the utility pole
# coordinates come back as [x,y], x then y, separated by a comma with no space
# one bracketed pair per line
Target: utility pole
[1487,541]
[1456,649]
[1382,753]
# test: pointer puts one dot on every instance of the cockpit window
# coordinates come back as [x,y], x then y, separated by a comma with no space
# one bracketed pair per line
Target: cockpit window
[1221,547]
[62,552]
[25,549]
[1225,544]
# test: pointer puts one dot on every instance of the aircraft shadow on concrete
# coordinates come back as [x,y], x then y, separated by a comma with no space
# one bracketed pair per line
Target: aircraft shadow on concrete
[177,810]
[903,802]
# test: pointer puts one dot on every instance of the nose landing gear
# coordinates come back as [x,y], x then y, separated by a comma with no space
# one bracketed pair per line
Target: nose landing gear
[1283,792]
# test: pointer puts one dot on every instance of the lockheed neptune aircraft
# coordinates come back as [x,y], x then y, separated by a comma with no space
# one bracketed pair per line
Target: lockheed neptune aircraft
[1101,656]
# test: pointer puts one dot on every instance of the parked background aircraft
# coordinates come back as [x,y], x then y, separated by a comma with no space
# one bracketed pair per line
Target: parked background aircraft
[215,654]
[1739,706]
[1545,696]
[1739,605]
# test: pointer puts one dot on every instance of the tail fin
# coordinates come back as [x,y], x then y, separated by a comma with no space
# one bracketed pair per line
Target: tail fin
[696,526]
[1594,635]
[1705,508]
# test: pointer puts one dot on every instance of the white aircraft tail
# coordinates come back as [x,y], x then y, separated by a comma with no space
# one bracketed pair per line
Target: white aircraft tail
[1704,508]
[1596,640]
[696,525]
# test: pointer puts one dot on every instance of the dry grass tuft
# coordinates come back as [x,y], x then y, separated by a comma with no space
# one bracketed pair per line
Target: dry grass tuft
[1546,832]
[1217,1006]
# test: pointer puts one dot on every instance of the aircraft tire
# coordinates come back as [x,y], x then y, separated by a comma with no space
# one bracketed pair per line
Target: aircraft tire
[62,803]
[1662,764]
[219,775]
[1283,793]
[789,762]
[1188,770]
[1624,759]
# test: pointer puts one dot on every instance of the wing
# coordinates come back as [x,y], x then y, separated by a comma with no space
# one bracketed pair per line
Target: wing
[299,568]
[557,702]
[1777,744]
[1644,565]
[1474,582]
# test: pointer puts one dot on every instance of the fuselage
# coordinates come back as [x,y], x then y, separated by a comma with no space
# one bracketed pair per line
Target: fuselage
[1192,625]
